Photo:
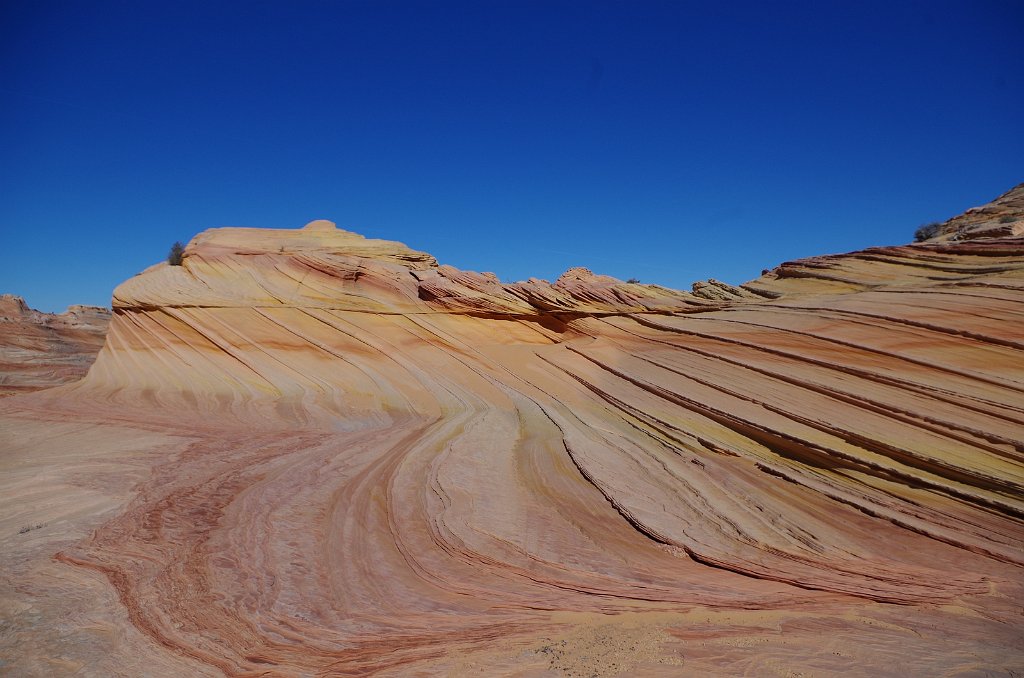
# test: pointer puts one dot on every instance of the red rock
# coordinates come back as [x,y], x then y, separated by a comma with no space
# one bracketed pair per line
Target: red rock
[40,350]
[303,452]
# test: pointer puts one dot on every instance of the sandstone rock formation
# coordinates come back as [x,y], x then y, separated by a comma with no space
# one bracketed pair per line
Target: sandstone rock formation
[1003,217]
[304,452]
[40,350]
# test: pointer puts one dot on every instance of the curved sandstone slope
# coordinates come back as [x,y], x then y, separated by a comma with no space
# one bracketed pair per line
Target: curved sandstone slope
[369,462]
[1003,217]
[40,350]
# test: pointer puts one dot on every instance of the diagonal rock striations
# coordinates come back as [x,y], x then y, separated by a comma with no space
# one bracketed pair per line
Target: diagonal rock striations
[1003,217]
[352,459]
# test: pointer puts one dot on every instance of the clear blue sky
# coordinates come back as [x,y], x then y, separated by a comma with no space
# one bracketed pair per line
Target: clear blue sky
[669,141]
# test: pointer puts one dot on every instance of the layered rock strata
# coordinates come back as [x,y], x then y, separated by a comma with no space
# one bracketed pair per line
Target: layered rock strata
[337,457]
[1003,217]
[40,350]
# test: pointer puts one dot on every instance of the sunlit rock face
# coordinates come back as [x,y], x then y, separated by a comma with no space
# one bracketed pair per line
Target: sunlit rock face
[1003,217]
[304,452]
[39,350]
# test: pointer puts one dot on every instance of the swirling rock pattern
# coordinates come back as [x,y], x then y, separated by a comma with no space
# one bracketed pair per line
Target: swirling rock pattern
[308,453]
[40,350]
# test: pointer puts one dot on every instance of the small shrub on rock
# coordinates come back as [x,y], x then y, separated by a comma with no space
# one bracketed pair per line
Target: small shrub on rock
[927,231]
[175,255]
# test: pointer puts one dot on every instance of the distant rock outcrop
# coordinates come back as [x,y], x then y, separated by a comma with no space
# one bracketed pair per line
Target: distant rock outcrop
[719,291]
[40,350]
[1001,218]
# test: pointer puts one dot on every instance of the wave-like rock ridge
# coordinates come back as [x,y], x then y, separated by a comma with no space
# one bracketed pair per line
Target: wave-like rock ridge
[387,460]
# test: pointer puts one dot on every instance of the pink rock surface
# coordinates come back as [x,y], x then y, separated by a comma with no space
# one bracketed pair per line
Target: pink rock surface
[304,452]
[40,350]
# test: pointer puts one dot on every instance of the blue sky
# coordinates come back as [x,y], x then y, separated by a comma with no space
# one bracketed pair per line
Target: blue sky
[667,141]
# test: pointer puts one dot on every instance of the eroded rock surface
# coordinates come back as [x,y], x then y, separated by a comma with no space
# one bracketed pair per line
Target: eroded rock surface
[1001,218]
[308,453]
[40,350]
